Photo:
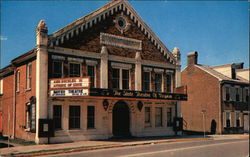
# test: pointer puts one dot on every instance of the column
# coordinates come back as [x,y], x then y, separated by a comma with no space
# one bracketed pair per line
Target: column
[41,77]
[104,68]
[138,75]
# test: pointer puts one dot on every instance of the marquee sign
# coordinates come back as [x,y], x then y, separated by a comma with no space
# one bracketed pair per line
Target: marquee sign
[64,87]
[136,94]
[69,83]
[70,92]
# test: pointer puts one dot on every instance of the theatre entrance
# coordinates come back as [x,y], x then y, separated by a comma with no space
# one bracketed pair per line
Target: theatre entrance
[121,120]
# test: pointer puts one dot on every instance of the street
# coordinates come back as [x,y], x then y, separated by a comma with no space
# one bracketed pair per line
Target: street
[213,148]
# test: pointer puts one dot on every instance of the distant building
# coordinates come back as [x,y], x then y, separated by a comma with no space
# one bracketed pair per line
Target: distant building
[104,75]
[221,93]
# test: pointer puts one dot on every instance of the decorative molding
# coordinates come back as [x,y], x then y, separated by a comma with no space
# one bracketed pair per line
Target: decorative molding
[147,69]
[121,65]
[91,62]
[101,14]
[119,41]
[58,57]
[157,70]
[70,59]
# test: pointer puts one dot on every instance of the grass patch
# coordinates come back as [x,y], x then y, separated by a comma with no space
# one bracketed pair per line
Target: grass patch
[17,141]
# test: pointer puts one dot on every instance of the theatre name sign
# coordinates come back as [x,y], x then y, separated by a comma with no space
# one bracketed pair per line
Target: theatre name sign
[69,87]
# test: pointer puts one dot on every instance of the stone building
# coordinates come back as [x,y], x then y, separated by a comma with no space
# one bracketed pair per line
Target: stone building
[104,75]
[218,97]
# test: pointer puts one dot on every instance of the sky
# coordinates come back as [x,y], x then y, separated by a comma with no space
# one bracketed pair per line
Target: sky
[217,30]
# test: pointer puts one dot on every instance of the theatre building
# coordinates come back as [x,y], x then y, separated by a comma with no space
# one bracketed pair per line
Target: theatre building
[104,75]
[218,97]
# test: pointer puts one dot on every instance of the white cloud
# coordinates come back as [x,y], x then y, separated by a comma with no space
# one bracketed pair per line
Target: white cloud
[3,38]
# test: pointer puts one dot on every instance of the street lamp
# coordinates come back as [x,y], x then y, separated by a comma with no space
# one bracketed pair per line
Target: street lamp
[204,124]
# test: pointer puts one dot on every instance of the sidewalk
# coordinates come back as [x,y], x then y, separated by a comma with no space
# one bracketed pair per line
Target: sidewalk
[46,149]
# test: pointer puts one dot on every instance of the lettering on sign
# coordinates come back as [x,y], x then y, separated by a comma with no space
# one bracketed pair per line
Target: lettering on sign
[69,83]
[136,94]
[118,41]
[69,92]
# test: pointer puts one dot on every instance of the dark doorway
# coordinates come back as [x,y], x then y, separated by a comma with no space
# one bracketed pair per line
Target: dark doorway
[121,120]
[213,126]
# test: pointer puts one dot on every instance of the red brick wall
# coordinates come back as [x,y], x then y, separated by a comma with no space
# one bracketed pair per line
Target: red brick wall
[7,105]
[203,93]
[22,98]
[1,128]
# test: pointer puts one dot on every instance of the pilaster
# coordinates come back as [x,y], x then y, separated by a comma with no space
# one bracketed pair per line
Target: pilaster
[41,77]
[138,74]
[104,68]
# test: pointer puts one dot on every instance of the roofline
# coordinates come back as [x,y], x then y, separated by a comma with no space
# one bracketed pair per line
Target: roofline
[91,19]
[24,56]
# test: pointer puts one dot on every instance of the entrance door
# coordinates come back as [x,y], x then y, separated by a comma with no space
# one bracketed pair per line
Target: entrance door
[121,120]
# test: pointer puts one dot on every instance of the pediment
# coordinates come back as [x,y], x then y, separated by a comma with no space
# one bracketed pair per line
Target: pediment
[104,21]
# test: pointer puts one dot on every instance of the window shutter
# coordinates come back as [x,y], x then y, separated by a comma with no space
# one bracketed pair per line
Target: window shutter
[224,119]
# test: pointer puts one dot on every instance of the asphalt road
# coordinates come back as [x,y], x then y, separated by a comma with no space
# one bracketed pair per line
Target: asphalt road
[213,148]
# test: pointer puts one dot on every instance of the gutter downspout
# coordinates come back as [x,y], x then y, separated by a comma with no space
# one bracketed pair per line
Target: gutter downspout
[14,105]
[220,104]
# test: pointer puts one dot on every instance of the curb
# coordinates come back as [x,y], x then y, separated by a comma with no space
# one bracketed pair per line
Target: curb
[70,150]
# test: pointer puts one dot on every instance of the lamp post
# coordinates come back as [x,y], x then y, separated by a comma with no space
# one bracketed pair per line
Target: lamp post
[204,124]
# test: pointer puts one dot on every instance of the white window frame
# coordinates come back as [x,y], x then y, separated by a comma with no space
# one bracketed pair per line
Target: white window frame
[17,77]
[162,81]
[54,67]
[28,79]
[148,124]
[150,83]
[80,68]
[1,86]
[235,120]
[94,72]
[121,78]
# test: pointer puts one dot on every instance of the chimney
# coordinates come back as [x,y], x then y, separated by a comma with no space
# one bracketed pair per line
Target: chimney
[192,58]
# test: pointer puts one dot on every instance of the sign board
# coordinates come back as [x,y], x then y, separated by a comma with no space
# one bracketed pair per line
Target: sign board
[75,86]
[69,83]
[69,92]
[136,94]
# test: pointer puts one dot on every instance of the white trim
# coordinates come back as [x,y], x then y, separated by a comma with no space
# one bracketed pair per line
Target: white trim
[1,86]
[147,69]
[91,62]
[157,70]
[56,57]
[121,65]
[79,60]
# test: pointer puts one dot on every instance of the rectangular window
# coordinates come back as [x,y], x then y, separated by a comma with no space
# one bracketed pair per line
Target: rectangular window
[237,119]
[237,94]
[74,70]
[147,115]
[57,116]
[125,79]
[1,86]
[74,117]
[227,93]
[169,117]
[57,69]
[31,117]
[228,117]
[91,117]
[158,116]
[146,81]
[17,80]
[158,82]
[247,95]
[169,83]
[28,76]
[116,78]
[91,73]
